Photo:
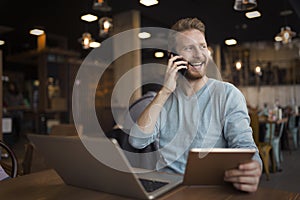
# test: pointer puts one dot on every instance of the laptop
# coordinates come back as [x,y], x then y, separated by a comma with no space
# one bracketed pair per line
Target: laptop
[207,166]
[77,167]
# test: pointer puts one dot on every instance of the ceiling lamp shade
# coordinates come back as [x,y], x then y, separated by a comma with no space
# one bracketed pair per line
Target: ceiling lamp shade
[258,70]
[230,42]
[86,39]
[252,14]
[144,35]
[149,2]
[36,32]
[89,18]
[244,5]
[285,35]
[95,44]
[238,65]
[101,5]
[105,24]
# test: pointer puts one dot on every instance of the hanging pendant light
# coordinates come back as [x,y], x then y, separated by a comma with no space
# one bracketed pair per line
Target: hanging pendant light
[285,36]
[105,25]
[86,39]
[244,5]
[101,5]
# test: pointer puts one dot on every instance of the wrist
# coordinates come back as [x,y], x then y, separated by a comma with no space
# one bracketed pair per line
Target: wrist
[165,91]
[162,96]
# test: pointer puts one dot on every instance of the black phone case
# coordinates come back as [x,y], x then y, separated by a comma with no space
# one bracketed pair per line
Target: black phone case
[182,71]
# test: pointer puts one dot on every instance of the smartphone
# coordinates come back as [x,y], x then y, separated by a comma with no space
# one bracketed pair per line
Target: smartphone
[182,71]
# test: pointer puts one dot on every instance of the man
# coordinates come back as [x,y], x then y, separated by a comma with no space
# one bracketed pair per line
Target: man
[194,111]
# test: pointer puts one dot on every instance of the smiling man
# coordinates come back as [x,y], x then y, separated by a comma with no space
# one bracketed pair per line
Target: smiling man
[195,111]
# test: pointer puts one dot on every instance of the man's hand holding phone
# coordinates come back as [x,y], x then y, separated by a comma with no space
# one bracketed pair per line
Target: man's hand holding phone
[182,71]
[175,64]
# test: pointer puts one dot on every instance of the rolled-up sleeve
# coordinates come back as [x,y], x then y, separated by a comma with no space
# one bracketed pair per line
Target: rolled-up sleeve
[139,139]
[237,130]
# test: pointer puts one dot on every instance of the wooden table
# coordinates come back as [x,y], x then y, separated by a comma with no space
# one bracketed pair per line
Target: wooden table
[48,185]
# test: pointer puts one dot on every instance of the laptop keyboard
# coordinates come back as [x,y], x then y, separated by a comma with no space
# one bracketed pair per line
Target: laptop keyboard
[151,185]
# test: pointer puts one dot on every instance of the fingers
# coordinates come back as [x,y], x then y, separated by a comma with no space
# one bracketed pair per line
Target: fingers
[250,180]
[253,165]
[248,172]
[176,63]
[244,183]
[245,187]
[246,177]
[252,168]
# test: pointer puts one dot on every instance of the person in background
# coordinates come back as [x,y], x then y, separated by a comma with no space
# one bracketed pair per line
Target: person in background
[13,103]
[264,111]
[263,126]
[194,111]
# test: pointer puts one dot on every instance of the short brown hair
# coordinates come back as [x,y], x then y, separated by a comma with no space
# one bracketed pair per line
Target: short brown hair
[187,24]
[184,25]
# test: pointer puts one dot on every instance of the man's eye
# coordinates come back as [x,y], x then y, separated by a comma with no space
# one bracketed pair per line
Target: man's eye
[188,48]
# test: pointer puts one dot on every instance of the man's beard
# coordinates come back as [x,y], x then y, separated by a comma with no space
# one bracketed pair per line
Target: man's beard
[194,75]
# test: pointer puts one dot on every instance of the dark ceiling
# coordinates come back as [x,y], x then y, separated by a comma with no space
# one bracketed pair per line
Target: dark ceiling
[62,18]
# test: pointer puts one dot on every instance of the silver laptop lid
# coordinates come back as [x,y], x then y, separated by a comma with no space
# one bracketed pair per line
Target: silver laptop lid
[77,167]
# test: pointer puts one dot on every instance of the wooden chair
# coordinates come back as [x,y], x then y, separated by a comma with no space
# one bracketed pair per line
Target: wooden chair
[27,161]
[64,130]
[33,161]
[264,148]
[274,138]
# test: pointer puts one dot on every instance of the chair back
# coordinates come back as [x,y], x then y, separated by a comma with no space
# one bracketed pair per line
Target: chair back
[64,130]
[275,129]
[33,161]
[254,123]
[27,161]
[264,148]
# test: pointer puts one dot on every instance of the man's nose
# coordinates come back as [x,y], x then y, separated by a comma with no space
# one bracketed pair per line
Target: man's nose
[199,52]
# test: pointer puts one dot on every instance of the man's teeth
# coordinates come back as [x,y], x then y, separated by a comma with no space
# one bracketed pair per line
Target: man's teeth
[197,64]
